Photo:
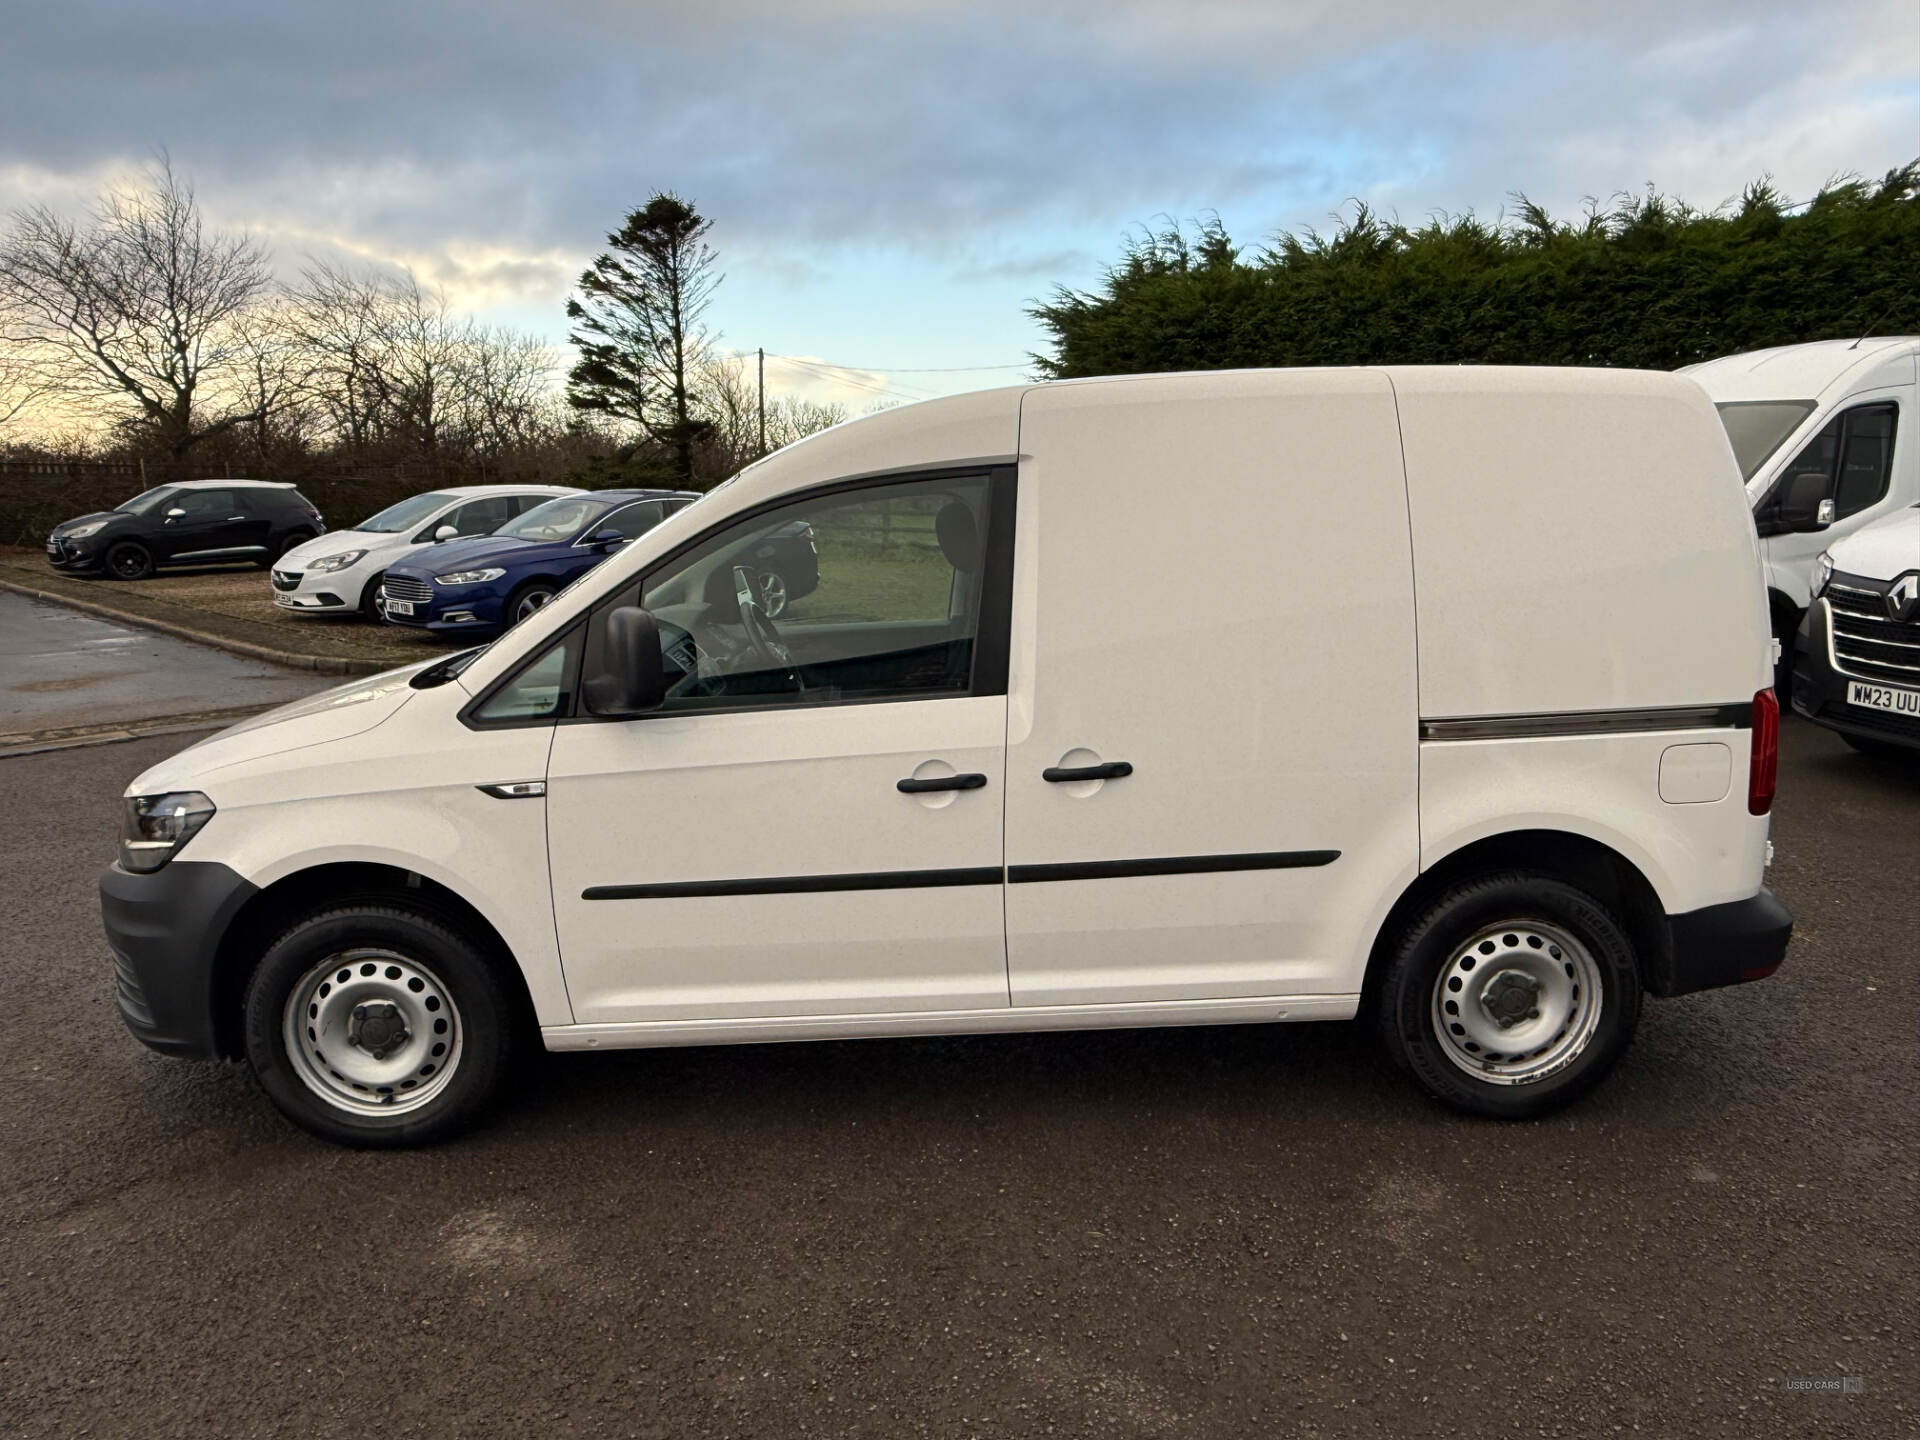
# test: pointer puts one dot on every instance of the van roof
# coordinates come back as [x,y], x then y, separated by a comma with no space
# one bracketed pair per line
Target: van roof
[1802,372]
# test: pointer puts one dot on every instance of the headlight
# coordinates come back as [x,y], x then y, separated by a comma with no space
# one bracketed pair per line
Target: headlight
[1822,573]
[469,577]
[156,826]
[81,532]
[327,564]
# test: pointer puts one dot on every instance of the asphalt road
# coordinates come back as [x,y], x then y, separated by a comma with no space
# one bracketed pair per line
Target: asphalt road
[61,668]
[1195,1232]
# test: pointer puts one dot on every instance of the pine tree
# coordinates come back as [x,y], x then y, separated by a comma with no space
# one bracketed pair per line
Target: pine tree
[637,316]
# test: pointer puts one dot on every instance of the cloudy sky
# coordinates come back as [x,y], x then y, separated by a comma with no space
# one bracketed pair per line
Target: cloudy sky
[893,182]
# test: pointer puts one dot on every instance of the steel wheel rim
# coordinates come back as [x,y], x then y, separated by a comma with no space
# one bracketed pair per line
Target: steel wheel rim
[530,602]
[1517,1002]
[343,1045]
[773,594]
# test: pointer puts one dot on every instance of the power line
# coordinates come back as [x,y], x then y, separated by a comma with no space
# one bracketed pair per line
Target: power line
[837,378]
[910,369]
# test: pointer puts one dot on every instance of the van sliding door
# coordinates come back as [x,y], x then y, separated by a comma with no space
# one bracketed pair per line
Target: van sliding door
[1211,769]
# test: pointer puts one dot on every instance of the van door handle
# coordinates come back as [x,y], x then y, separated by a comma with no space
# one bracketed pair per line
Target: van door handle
[910,786]
[1112,770]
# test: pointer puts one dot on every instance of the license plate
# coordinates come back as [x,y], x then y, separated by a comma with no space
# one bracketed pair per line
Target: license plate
[1884,697]
[399,607]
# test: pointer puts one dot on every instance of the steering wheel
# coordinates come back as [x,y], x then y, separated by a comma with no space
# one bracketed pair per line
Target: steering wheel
[762,638]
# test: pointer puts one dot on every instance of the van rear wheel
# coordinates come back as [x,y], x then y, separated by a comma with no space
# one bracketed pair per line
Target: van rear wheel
[376,1026]
[1511,994]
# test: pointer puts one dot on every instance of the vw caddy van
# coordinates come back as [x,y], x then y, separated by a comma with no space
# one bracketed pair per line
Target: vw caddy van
[1438,696]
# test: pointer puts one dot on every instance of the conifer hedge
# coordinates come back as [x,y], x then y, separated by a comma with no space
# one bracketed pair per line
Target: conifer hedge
[1647,281]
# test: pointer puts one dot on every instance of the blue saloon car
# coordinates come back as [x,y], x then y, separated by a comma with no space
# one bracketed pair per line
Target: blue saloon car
[494,581]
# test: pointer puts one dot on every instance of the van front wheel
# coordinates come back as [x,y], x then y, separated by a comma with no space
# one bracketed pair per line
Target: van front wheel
[1511,994]
[372,1025]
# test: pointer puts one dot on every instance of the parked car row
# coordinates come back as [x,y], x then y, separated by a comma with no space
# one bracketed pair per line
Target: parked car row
[464,559]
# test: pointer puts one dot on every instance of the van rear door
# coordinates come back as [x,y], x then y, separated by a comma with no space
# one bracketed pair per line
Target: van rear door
[1213,730]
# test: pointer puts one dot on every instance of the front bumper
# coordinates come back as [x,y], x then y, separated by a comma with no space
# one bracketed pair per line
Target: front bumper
[305,592]
[75,557]
[1723,945]
[1820,691]
[164,930]
[456,610]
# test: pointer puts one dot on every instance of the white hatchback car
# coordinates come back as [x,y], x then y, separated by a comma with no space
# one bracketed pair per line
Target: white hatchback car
[340,572]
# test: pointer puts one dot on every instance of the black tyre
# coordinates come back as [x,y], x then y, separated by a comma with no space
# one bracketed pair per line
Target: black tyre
[1510,994]
[530,597]
[373,599]
[377,1026]
[129,560]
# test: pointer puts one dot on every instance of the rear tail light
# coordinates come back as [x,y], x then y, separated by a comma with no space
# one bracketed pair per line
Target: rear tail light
[1765,763]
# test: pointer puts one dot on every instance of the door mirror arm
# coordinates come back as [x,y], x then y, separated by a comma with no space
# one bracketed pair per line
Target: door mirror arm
[628,678]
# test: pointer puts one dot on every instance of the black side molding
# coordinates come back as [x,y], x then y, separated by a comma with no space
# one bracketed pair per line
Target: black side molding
[797,884]
[1736,716]
[1170,865]
[979,875]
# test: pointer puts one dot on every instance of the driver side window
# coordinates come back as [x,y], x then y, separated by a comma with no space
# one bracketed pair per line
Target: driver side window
[867,594]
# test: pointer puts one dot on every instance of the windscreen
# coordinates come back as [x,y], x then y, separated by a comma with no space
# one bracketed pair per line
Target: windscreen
[1757,428]
[558,519]
[414,510]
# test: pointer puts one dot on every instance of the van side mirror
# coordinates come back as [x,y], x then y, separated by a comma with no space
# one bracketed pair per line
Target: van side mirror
[627,677]
[446,532]
[1805,506]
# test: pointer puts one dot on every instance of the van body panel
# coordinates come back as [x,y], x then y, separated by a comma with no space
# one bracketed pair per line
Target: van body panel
[1606,788]
[1179,605]
[780,795]
[411,802]
[1581,542]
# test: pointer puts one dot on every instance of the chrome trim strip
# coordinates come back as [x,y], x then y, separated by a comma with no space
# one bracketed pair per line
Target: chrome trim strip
[1589,722]
[208,554]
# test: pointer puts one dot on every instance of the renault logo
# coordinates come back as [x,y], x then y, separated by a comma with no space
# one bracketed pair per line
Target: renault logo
[1903,597]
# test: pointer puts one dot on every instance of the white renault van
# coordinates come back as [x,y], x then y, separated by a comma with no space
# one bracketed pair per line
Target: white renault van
[1438,695]
[1815,428]
[1857,656]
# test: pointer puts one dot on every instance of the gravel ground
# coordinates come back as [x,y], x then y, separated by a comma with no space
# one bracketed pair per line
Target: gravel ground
[239,592]
[1212,1232]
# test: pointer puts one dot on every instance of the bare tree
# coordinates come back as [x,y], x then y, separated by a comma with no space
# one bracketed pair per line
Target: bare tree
[337,322]
[135,306]
[507,399]
[728,400]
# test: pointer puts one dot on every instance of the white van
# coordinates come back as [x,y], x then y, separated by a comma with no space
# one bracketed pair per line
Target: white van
[1814,428]
[341,573]
[1439,695]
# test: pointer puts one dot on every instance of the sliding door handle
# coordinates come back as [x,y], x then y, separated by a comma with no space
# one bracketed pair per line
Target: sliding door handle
[941,782]
[1060,774]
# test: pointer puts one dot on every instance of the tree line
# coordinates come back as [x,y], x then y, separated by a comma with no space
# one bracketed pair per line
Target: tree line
[1645,281]
[138,331]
